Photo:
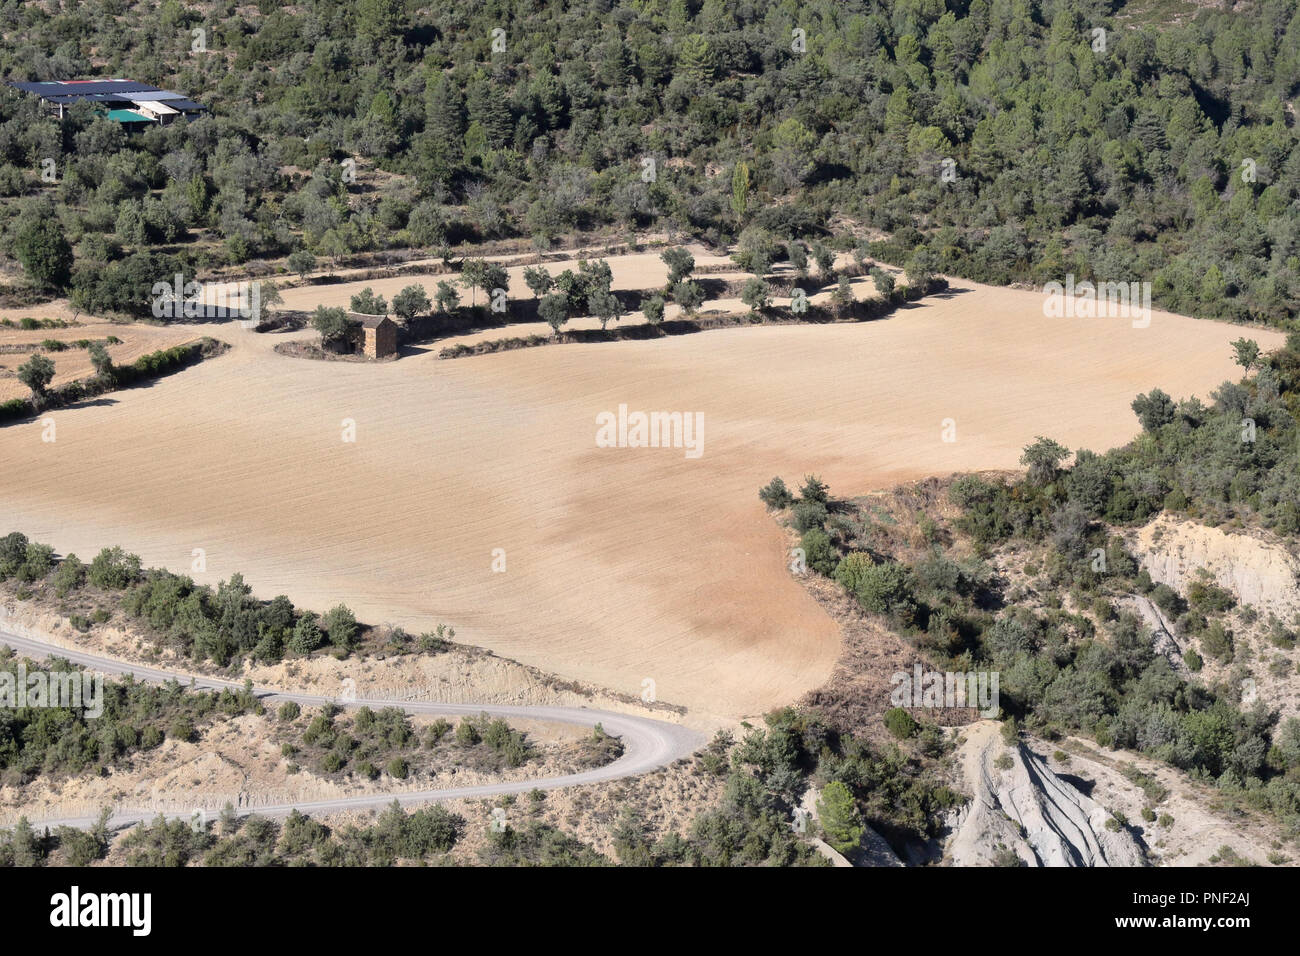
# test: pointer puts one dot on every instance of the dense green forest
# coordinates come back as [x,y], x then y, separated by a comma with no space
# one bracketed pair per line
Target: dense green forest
[1004,140]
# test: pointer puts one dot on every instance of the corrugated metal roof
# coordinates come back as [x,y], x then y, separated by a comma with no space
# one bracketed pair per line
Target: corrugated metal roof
[154,106]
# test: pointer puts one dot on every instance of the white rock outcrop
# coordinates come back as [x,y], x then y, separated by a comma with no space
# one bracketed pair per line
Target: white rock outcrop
[1025,807]
[1258,572]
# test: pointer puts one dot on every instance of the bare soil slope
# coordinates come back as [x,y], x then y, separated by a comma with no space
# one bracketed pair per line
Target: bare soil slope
[622,563]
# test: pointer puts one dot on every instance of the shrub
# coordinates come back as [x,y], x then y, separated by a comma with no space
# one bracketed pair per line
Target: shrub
[1043,459]
[809,515]
[1287,741]
[332,762]
[436,731]
[851,571]
[776,495]
[653,309]
[436,641]
[113,569]
[883,588]
[819,553]
[289,710]
[37,562]
[467,734]
[13,553]
[756,294]
[70,575]
[307,635]
[341,626]
[333,325]
[1192,660]
[1010,731]
[814,489]
[689,295]
[1279,635]
[900,723]
[1166,598]
[398,768]
[883,280]
[1209,598]
[1154,410]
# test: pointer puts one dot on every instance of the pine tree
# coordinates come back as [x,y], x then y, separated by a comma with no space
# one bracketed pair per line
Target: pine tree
[740,190]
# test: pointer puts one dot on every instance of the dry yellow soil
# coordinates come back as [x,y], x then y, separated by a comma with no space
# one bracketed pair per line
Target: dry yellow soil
[74,362]
[623,564]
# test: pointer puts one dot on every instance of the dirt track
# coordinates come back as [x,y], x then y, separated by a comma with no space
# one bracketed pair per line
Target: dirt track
[622,564]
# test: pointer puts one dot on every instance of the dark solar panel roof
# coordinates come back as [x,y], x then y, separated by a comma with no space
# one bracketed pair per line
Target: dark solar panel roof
[92,97]
[85,87]
[104,91]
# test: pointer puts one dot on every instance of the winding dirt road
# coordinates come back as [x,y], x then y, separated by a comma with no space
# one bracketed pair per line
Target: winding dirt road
[647,744]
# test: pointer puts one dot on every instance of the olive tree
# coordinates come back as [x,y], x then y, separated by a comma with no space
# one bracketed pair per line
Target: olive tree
[410,302]
[37,373]
[554,310]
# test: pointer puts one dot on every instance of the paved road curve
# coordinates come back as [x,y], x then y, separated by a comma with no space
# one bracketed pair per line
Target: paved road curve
[647,744]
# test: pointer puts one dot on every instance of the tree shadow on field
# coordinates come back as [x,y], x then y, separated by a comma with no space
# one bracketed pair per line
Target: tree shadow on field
[406,351]
[90,403]
[948,293]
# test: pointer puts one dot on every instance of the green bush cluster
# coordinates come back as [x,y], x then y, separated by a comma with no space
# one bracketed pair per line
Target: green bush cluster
[60,741]
[220,624]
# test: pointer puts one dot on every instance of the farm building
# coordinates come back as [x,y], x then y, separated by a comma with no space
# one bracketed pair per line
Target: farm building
[376,335]
[134,105]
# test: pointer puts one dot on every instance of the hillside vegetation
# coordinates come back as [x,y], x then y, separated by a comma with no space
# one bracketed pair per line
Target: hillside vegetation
[1028,579]
[998,139]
